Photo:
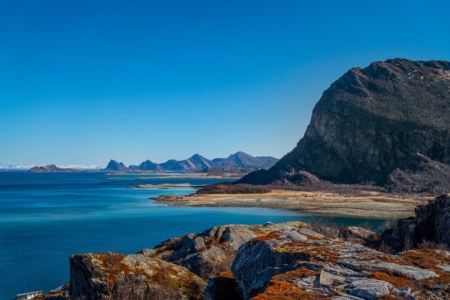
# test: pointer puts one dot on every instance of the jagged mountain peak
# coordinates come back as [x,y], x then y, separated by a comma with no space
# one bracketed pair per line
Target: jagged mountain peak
[116,166]
[198,157]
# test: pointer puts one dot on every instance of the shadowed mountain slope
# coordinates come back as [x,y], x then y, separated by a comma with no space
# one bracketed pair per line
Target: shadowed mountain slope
[379,124]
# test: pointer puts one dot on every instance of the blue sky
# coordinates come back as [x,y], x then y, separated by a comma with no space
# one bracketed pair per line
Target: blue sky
[85,81]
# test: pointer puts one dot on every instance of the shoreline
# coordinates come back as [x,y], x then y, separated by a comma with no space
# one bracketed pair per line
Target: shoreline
[369,204]
[165,186]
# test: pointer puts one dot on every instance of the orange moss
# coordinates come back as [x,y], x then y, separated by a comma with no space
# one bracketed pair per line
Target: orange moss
[282,286]
[113,266]
[225,274]
[285,291]
[303,272]
[270,236]
[430,259]
[374,237]
[313,238]
[396,281]
[391,297]
[172,271]
[260,231]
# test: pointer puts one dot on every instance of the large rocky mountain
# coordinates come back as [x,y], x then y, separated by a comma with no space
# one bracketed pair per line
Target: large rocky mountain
[387,124]
[198,163]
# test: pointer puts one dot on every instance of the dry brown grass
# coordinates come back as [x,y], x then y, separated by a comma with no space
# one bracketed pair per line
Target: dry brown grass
[369,203]
[396,281]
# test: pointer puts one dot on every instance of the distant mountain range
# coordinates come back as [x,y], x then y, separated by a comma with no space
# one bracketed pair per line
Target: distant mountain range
[199,163]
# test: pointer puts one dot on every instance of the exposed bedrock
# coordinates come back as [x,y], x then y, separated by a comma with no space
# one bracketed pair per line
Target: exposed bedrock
[386,124]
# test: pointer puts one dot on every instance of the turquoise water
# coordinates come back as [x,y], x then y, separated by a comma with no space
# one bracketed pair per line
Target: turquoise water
[44,218]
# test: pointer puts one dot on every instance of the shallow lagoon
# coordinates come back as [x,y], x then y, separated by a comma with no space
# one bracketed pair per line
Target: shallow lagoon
[48,216]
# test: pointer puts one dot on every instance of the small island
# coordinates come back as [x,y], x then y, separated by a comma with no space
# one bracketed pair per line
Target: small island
[50,168]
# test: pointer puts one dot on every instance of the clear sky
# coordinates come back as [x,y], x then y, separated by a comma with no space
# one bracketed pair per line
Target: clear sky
[85,81]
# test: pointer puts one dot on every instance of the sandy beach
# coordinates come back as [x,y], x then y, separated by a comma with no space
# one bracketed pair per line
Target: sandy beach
[368,204]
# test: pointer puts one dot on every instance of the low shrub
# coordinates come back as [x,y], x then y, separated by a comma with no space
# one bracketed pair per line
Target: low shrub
[229,188]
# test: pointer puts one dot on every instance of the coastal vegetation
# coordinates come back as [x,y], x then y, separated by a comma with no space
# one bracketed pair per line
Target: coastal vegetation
[229,188]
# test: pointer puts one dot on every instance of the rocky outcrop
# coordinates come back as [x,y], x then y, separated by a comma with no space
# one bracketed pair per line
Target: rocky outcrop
[301,266]
[357,235]
[381,124]
[211,252]
[273,261]
[430,225]
[115,276]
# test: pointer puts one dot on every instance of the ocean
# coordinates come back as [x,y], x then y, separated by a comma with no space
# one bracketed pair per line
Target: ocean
[46,217]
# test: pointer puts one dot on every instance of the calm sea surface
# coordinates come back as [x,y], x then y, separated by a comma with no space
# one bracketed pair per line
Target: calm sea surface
[44,218]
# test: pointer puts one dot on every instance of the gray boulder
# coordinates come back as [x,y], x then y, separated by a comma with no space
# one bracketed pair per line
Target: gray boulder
[357,234]
[212,251]
[370,289]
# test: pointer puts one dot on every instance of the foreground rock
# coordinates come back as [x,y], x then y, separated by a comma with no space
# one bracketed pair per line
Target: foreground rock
[373,125]
[357,235]
[304,266]
[289,260]
[430,227]
[211,252]
[115,276]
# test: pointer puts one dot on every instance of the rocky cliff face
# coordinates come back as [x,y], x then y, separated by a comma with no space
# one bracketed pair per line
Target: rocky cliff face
[378,124]
[115,276]
[272,261]
[430,226]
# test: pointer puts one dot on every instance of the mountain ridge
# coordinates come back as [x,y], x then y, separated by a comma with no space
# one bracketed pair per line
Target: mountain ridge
[197,163]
